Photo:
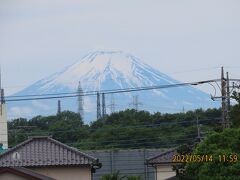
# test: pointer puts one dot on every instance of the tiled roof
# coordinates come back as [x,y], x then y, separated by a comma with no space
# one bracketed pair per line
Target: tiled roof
[163,158]
[45,151]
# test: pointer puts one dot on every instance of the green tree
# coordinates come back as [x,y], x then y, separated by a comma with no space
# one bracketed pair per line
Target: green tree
[225,151]
[134,178]
[113,176]
[235,110]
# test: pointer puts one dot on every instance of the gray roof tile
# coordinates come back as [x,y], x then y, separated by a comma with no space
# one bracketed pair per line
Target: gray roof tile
[163,158]
[44,151]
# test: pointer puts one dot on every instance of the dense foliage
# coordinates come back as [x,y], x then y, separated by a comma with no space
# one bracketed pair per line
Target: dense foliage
[235,110]
[124,129]
[117,176]
[224,148]
[225,151]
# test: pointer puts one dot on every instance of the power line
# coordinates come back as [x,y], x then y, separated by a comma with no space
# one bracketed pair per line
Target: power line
[91,93]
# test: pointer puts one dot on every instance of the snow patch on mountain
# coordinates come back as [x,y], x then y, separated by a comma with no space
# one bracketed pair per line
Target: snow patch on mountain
[112,70]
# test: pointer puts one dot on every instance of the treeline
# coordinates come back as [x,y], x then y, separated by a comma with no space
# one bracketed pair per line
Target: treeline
[124,129]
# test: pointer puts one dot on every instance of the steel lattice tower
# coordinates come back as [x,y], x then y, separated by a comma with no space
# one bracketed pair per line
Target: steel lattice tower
[80,100]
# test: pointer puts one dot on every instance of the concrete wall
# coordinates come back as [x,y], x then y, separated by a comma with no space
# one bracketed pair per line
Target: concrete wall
[3,126]
[128,162]
[165,172]
[63,173]
[10,176]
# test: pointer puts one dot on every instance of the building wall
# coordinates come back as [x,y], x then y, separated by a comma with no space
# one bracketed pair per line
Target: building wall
[63,173]
[165,172]
[127,162]
[10,176]
[3,126]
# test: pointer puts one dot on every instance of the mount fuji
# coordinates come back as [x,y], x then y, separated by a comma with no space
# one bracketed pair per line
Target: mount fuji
[107,71]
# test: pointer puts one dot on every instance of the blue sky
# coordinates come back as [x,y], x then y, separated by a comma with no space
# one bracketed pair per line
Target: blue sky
[188,40]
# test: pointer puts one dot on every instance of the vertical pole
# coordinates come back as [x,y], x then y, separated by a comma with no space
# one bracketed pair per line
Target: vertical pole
[145,166]
[228,103]
[1,97]
[59,107]
[136,102]
[80,100]
[98,106]
[223,88]
[103,106]
[112,106]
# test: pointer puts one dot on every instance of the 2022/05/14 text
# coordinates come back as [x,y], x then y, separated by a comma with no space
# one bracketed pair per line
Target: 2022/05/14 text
[186,158]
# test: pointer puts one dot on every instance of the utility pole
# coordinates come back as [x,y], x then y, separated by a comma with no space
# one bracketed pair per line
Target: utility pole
[1,93]
[223,93]
[3,117]
[228,101]
[98,106]
[103,106]
[225,100]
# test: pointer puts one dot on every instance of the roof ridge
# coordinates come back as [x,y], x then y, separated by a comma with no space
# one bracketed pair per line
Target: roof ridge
[95,160]
[15,147]
[72,149]
[163,153]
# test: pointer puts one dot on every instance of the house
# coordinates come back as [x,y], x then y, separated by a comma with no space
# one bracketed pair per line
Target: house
[20,173]
[45,158]
[163,164]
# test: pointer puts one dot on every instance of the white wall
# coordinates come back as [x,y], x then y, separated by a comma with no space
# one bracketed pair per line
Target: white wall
[164,172]
[63,173]
[10,176]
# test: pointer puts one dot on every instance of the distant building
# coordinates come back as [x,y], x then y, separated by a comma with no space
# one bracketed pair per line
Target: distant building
[163,164]
[46,158]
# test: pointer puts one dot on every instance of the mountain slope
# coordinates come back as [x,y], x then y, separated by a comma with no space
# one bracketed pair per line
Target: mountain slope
[111,70]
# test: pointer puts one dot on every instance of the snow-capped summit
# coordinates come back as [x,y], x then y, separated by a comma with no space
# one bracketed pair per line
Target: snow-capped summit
[113,70]
[95,68]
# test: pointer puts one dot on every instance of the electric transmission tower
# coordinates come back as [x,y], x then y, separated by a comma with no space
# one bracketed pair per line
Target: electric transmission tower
[98,106]
[103,106]
[112,105]
[59,107]
[135,103]
[80,100]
